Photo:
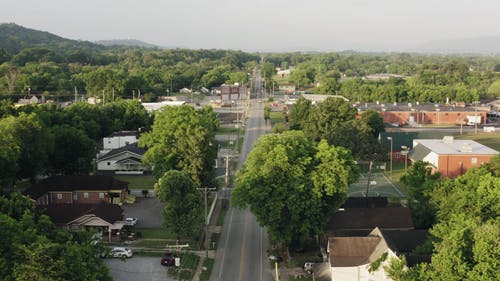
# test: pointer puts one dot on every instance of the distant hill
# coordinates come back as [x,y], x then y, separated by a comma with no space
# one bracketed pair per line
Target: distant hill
[15,38]
[127,42]
[481,45]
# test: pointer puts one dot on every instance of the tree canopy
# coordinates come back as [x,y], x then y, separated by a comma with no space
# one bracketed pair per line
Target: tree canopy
[33,249]
[183,139]
[292,184]
[466,236]
[183,211]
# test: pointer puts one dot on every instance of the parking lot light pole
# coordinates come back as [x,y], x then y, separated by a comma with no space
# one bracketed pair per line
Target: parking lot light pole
[390,156]
[404,151]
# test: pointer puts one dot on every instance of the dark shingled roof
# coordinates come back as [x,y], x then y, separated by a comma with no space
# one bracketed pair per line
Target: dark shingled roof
[418,152]
[352,251]
[65,213]
[406,241]
[72,183]
[131,148]
[366,202]
[369,218]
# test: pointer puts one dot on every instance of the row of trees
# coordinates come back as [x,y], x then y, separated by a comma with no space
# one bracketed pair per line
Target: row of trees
[465,243]
[128,72]
[334,120]
[431,78]
[45,140]
[33,249]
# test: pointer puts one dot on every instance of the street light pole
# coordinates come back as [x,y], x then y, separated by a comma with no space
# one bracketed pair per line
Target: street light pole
[390,156]
[404,150]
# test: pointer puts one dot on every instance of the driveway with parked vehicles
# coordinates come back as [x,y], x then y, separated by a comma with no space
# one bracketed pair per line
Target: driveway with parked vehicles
[138,268]
[147,211]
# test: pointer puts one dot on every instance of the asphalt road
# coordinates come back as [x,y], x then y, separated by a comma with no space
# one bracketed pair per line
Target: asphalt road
[138,268]
[242,255]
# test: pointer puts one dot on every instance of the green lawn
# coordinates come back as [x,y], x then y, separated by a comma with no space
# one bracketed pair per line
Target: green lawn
[138,182]
[205,274]
[155,233]
[491,140]
[276,117]
[185,272]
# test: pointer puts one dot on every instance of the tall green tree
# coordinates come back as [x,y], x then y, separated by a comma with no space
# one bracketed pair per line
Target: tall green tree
[183,138]
[420,182]
[373,119]
[73,151]
[300,113]
[183,211]
[292,184]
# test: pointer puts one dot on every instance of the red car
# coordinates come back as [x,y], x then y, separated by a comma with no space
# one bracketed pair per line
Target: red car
[168,259]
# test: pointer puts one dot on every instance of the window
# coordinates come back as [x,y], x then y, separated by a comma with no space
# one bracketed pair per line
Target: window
[85,195]
[473,160]
[75,196]
[101,195]
[59,196]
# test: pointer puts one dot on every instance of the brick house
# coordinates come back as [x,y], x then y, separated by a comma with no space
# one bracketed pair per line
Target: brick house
[78,190]
[450,157]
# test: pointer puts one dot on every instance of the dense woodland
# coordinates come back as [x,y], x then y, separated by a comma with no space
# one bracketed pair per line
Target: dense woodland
[39,62]
[47,140]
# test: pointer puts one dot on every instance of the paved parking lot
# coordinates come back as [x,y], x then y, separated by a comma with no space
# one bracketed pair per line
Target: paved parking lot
[138,268]
[147,210]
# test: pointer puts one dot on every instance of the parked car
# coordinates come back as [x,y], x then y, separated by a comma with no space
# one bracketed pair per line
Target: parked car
[120,252]
[168,259]
[130,221]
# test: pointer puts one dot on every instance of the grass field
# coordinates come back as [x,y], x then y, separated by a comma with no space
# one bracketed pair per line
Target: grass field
[138,182]
[491,140]
[276,117]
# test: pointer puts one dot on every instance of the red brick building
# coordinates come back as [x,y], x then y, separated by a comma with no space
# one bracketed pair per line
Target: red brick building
[414,114]
[78,190]
[451,157]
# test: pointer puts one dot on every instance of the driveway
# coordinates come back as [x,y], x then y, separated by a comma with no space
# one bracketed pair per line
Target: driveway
[138,268]
[147,211]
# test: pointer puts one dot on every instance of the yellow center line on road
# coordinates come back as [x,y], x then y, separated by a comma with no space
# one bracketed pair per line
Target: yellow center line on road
[242,257]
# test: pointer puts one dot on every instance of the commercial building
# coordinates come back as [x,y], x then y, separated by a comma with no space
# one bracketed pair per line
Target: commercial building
[451,157]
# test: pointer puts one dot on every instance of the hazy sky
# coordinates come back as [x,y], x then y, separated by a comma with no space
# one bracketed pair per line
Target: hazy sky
[262,25]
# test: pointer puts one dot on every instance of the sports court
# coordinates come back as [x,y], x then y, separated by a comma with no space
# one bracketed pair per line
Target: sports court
[380,185]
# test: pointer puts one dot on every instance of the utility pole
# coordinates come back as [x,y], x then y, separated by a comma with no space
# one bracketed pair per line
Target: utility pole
[390,155]
[226,178]
[369,176]
[277,272]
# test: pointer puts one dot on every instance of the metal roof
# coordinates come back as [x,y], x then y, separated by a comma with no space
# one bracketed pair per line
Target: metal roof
[452,146]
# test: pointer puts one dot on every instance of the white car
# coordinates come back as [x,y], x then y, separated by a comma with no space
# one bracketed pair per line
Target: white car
[131,221]
[120,252]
